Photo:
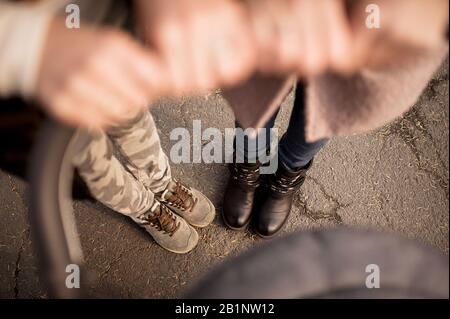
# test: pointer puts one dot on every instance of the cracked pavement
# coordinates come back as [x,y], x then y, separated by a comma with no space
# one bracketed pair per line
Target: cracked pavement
[393,179]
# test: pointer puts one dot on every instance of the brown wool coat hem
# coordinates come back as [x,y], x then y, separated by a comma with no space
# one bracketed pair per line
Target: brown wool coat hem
[338,105]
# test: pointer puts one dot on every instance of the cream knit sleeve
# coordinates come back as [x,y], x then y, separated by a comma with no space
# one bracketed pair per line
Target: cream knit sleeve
[23,29]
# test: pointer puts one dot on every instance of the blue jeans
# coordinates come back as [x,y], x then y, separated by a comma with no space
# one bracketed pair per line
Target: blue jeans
[294,151]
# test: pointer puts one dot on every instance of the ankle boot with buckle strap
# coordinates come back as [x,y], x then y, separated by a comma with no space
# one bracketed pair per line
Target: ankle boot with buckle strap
[240,194]
[276,199]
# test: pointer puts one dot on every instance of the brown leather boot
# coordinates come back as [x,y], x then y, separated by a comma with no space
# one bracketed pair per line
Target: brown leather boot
[275,202]
[240,194]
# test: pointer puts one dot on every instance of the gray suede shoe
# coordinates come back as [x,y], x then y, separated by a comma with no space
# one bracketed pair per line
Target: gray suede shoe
[189,203]
[169,230]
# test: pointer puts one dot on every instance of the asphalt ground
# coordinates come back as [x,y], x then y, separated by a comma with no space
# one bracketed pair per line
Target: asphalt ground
[393,179]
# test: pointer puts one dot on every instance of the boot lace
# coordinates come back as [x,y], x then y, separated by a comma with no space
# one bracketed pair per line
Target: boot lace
[162,219]
[181,197]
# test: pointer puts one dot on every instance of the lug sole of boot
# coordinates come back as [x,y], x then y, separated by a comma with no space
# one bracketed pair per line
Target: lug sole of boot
[244,228]
[272,235]
[265,236]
